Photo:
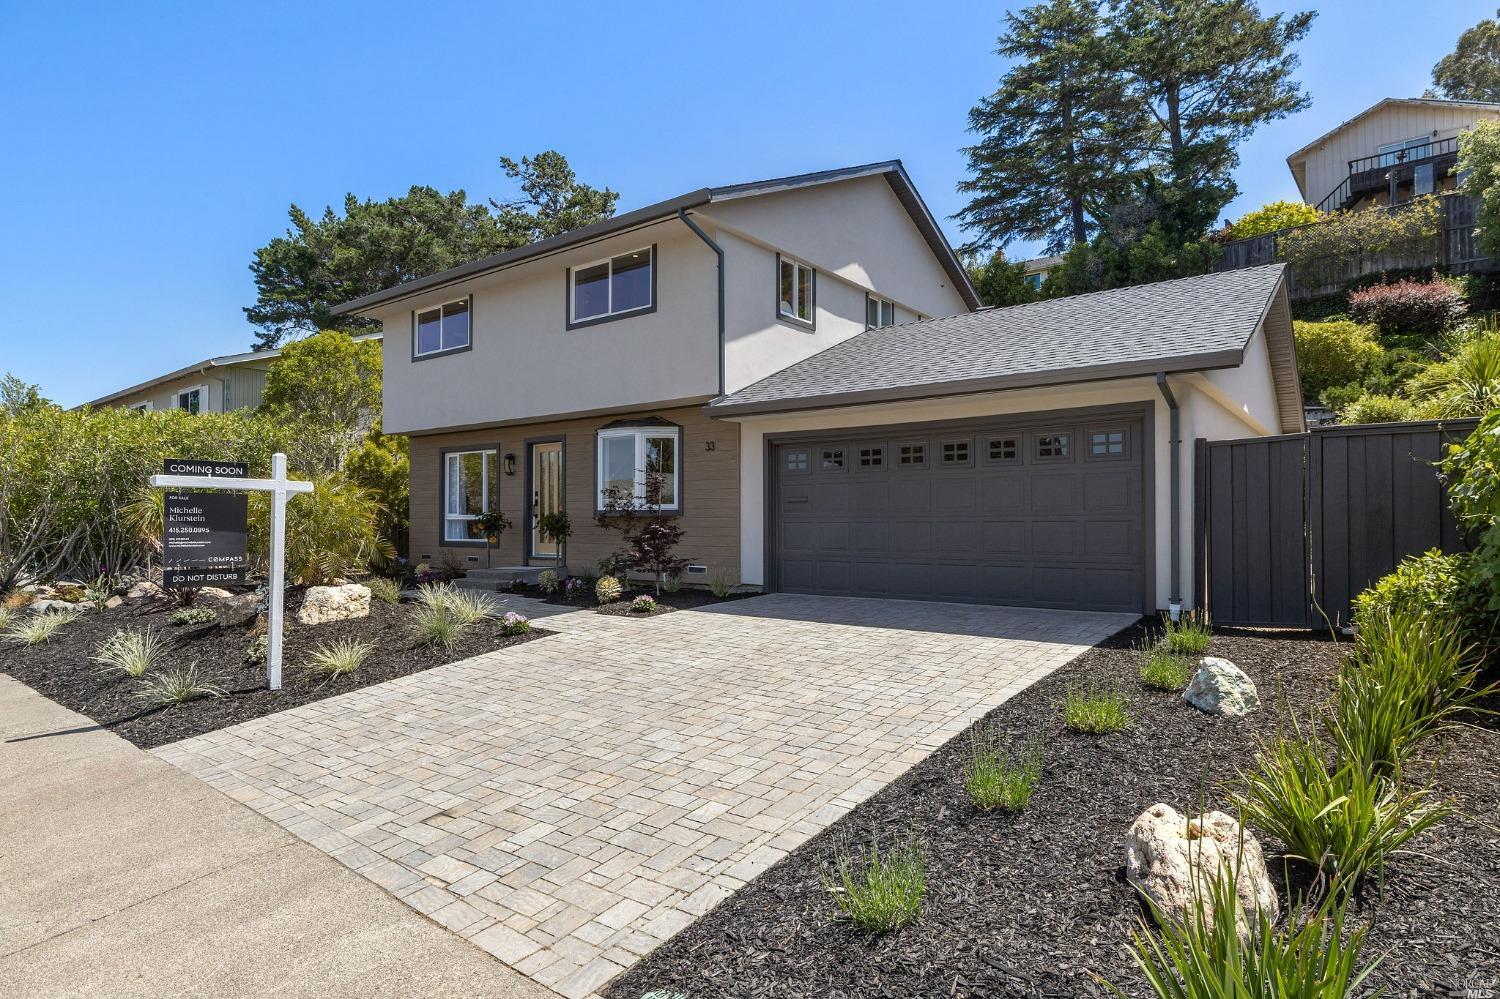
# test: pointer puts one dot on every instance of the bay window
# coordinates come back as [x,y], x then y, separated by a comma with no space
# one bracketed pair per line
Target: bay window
[470,487]
[634,462]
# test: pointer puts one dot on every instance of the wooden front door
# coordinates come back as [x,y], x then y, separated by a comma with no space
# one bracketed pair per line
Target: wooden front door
[546,492]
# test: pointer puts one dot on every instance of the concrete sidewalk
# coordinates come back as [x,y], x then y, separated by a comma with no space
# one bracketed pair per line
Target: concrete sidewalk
[122,876]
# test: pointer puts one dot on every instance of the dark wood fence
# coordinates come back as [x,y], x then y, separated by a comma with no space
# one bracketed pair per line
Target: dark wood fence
[1289,529]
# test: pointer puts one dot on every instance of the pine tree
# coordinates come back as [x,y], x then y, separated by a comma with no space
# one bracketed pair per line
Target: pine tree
[1471,72]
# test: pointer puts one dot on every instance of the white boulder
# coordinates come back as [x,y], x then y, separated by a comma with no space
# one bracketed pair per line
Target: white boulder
[1174,860]
[241,608]
[1221,688]
[323,604]
[144,590]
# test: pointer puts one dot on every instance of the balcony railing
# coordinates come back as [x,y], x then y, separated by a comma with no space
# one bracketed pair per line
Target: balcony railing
[1371,173]
[1411,154]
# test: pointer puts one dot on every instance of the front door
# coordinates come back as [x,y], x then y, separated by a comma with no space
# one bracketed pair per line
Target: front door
[546,492]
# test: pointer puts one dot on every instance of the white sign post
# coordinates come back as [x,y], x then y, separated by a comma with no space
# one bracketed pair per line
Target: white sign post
[280,488]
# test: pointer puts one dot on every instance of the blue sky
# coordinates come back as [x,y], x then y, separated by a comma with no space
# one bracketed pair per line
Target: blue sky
[150,148]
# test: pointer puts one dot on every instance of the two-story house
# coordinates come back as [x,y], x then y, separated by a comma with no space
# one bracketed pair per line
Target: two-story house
[776,350]
[1398,149]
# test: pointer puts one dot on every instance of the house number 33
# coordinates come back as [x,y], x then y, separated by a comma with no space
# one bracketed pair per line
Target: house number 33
[711,446]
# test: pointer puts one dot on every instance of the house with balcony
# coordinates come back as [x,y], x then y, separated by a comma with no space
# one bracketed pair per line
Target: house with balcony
[1399,149]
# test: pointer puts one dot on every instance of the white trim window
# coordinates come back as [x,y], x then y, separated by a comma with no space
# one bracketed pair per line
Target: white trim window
[613,286]
[796,294]
[470,488]
[192,400]
[141,407]
[879,312]
[441,329]
[625,454]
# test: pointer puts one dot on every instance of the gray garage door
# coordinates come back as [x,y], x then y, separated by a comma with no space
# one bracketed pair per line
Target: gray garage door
[1032,511]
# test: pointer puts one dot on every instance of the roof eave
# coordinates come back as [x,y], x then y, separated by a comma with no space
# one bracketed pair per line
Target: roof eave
[972,386]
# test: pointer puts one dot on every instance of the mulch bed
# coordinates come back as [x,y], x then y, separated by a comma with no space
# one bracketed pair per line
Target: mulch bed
[62,669]
[683,599]
[1036,904]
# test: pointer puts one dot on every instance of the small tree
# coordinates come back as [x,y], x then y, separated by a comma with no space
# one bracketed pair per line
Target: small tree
[492,525]
[650,537]
[556,528]
[1274,217]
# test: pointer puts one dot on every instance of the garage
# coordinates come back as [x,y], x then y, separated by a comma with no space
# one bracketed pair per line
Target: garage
[1042,510]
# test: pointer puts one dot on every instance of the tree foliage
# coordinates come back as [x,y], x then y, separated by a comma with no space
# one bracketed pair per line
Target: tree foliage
[1274,217]
[1333,353]
[322,262]
[1001,282]
[1052,149]
[1472,473]
[1316,253]
[328,385]
[1479,166]
[1471,72]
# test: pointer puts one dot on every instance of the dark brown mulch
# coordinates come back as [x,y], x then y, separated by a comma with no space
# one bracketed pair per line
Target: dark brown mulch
[1035,905]
[62,669]
[684,599]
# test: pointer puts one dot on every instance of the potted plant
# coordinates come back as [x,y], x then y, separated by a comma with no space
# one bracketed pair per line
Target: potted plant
[556,528]
[492,526]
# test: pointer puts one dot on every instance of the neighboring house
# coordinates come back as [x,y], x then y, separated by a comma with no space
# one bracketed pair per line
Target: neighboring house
[770,347]
[217,385]
[1392,152]
[1039,269]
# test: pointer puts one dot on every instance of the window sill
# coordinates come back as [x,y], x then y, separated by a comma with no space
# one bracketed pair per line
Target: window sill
[644,310]
[429,355]
[806,324]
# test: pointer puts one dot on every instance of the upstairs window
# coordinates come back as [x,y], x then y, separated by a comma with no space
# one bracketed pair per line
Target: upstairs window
[441,329]
[634,460]
[191,400]
[795,291]
[615,287]
[879,312]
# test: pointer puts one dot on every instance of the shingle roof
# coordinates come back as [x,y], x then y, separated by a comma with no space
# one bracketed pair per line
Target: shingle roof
[1181,325]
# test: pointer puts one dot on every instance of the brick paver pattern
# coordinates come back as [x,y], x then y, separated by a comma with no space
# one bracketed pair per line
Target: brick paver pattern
[571,803]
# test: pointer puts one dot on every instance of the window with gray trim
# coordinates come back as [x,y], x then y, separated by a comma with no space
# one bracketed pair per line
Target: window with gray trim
[1107,443]
[879,312]
[795,291]
[1053,445]
[911,455]
[611,287]
[470,487]
[871,457]
[955,452]
[441,328]
[1002,449]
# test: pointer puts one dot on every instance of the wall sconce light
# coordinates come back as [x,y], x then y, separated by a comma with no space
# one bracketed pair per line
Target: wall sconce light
[510,464]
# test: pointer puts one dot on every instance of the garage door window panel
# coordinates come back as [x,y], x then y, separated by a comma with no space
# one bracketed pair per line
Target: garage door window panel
[911,455]
[796,461]
[955,454]
[1108,444]
[832,459]
[1002,450]
[1053,445]
[869,458]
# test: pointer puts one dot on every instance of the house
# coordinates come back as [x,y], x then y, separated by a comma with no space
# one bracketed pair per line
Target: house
[1389,153]
[216,385]
[1039,269]
[775,349]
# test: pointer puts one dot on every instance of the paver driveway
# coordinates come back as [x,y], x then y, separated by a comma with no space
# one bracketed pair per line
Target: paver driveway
[570,803]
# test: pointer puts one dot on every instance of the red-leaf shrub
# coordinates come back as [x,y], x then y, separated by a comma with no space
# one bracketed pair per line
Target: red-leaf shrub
[1408,313]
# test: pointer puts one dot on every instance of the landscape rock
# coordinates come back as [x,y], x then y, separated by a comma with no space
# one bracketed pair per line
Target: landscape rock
[113,602]
[1173,860]
[334,603]
[241,608]
[214,593]
[45,605]
[1221,688]
[143,590]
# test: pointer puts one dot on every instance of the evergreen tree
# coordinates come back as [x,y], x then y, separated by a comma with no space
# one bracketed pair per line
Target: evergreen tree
[1053,135]
[1471,72]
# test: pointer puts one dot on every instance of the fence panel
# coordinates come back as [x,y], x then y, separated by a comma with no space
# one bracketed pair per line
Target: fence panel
[1290,529]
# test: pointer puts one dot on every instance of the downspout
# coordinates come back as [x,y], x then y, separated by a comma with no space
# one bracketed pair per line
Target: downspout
[1174,444]
[718,252]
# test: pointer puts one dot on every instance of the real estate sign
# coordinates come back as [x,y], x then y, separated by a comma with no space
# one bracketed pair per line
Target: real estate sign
[214,469]
[204,530]
[192,579]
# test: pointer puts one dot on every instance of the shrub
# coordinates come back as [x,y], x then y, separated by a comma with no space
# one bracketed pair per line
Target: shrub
[607,590]
[259,650]
[721,584]
[339,657]
[332,531]
[191,615]
[433,625]
[1332,354]
[1274,217]
[642,604]
[1404,681]
[576,588]
[1188,635]
[177,686]
[1319,253]
[1467,384]
[1095,711]
[35,629]
[464,606]
[1205,956]
[671,584]
[547,582]
[994,778]
[514,624]
[1340,818]
[7,616]
[881,892]
[1479,165]
[1442,586]
[1164,670]
[386,590]
[1373,407]
[134,653]
[1471,472]
[1410,313]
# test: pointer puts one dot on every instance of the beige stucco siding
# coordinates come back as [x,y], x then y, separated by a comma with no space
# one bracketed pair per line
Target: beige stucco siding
[525,363]
[1324,167]
[710,491]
